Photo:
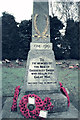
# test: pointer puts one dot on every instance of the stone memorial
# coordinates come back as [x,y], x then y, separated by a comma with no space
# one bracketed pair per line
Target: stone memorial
[41,95]
[41,68]
[41,75]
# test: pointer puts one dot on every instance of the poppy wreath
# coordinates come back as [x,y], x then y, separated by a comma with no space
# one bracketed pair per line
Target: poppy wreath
[47,105]
[63,90]
[14,104]
[39,105]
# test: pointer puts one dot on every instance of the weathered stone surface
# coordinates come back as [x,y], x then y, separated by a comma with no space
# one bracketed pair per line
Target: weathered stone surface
[40,23]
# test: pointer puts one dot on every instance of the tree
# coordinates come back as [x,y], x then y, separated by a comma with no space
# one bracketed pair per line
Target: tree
[25,33]
[15,37]
[56,39]
[10,37]
[65,10]
[68,12]
[72,35]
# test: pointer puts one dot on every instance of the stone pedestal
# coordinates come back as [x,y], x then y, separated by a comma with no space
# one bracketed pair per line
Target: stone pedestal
[41,77]
[57,98]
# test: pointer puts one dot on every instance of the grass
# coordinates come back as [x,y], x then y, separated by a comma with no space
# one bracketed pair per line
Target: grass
[69,79]
[14,76]
[11,77]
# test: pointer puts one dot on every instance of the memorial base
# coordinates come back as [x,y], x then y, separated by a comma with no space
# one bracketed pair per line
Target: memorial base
[7,114]
[57,99]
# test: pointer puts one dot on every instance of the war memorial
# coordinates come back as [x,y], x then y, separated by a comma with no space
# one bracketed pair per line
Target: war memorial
[42,95]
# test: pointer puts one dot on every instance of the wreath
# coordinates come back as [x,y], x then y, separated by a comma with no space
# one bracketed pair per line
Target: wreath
[63,90]
[32,111]
[14,104]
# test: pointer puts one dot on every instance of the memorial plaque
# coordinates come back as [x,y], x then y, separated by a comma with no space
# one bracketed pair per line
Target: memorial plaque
[40,69]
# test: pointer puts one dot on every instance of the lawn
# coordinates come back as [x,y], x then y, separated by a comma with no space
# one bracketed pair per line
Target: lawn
[13,75]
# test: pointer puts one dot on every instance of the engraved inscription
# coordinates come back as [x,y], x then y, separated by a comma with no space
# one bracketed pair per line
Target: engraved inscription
[40,71]
[41,46]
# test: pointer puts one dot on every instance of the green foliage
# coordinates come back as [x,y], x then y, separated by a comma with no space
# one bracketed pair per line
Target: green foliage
[15,37]
[25,33]
[10,37]
[56,38]
[69,44]
[72,35]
